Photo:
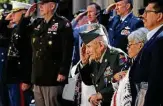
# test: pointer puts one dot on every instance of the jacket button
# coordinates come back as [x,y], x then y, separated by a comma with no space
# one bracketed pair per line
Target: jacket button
[92,75]
[2,60]
[2,53]
[96,85]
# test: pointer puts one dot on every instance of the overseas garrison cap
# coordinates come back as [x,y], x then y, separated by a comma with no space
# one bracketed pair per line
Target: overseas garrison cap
[46,1]
[94,31]
[16,6]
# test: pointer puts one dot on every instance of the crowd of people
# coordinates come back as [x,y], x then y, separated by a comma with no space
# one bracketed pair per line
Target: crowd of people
[117,56]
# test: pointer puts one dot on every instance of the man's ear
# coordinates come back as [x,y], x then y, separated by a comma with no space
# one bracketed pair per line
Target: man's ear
[160,17]
[101,45]
[53,5]
[128,5]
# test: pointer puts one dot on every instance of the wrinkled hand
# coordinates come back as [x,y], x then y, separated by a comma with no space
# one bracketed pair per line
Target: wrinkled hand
[83,55]
[31,10]
[80,15]
[61,78]
[95,99]
[110,7]
[25,86]
[119,76]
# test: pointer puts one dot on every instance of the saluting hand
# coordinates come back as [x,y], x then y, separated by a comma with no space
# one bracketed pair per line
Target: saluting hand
[80,16]
[83,55]
[31,10]
[110,7]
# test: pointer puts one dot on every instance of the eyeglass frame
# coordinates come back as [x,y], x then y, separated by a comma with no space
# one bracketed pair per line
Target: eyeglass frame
[129,45]
[148,11]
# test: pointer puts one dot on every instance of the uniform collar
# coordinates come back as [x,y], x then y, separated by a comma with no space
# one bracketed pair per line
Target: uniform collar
[123,18]
[102,56]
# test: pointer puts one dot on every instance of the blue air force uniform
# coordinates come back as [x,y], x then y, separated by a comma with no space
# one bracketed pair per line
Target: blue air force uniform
[119,30]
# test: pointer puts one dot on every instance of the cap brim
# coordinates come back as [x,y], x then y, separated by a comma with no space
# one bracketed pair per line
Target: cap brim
[17,9]
[40,2]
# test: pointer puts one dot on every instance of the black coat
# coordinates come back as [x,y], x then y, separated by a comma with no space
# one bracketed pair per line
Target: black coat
[18,66]
[52,45]
[148,68]
[101,78]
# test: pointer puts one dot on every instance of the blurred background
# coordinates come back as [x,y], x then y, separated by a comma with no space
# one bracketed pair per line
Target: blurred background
[69,7]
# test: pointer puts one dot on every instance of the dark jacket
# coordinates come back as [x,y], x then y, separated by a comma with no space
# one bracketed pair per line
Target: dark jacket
[18,66]
[112,63]
[147,67]
[5,34]
[52,45]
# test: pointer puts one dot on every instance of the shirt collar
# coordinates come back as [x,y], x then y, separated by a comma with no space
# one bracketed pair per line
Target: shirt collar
[123,18]
[152,32]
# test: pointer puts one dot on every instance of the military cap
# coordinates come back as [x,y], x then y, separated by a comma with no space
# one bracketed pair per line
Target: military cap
[93,32]
[46,1]
[16,6]
[6,6]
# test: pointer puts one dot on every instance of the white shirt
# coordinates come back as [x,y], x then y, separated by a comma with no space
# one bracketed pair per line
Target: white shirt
[152,32]
[123,18]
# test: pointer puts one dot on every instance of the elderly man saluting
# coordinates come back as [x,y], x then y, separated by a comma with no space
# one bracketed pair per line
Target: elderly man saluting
[99,62]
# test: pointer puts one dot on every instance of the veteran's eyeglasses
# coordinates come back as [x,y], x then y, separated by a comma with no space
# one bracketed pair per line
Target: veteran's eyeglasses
[129,45]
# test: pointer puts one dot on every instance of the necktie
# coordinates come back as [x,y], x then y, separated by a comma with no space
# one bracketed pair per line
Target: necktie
[118,23]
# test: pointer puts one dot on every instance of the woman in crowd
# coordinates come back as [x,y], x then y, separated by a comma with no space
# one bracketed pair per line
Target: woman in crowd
[121,83]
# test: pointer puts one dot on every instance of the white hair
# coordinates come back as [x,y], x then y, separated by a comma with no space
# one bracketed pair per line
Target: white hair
[139,35]
[102,39]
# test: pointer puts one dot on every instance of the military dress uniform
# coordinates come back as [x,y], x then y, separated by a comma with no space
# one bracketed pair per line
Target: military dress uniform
[118,30]
[52,45]
[120,27]
[100,74]
[18,65]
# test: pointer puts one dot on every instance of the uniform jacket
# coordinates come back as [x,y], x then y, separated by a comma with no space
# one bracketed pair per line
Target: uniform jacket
[18,66]
[148,68]
[52,45]
[112,63]
[5,34]
[118,31]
